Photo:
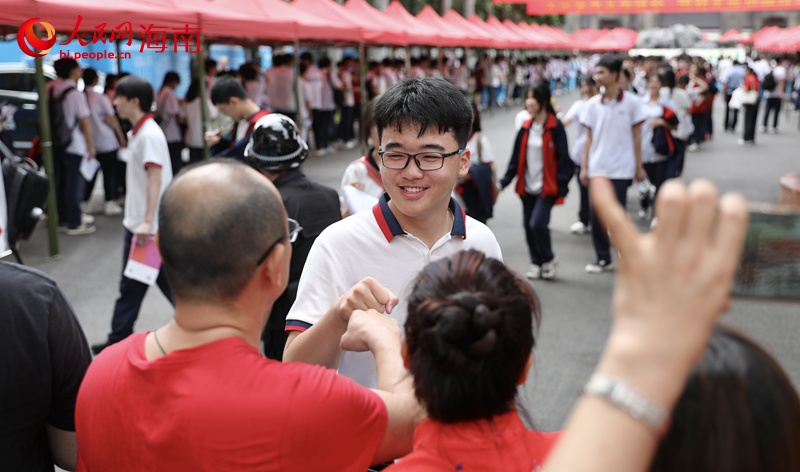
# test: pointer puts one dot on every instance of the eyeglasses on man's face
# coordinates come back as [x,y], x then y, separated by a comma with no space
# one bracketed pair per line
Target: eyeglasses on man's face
[294,231]
[397,160]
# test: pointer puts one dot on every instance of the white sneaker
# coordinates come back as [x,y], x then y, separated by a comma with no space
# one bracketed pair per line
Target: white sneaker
[86,219]
[693,147]
[82,229]
[87,207]
[320,152]
[762,129]
[112,209]
[350,144]
[578,228]
[535,272]
[599,267]
[549,269]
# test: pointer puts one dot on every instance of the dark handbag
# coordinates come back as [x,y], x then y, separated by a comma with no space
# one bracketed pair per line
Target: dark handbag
[663,142]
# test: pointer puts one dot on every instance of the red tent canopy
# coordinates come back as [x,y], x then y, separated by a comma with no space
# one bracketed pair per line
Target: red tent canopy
[521,38]
[63,15]
[780,41]
[336,14]
[481,37]
[618,39]
[309,25]
[505,39]
[562,36]
[731,35]
[226,19]
[760,34]
[365,11]
[422,32]
[450,37]
[541,39]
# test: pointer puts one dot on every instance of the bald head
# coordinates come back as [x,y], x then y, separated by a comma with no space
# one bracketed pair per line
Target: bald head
[215,220]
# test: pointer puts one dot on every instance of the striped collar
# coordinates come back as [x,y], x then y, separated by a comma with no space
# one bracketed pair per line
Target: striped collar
[390,227]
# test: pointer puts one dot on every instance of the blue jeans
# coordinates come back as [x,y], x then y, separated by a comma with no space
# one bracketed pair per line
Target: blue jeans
[536,220]
[602,247]
[70,186]
[131,295]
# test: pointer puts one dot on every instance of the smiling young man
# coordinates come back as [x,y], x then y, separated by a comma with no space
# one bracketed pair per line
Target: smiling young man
[370,259]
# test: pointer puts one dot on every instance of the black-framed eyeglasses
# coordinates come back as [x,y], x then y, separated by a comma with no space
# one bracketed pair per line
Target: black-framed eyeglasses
[294,231]
[397,160]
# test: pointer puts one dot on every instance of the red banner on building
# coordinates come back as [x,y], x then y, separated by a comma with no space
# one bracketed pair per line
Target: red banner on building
[551,7]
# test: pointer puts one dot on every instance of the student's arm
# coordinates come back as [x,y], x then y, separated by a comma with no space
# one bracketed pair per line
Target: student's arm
[375,332]
[566,168]
[113,121]
[584,175]
[320,344]
[671,286]
[86,128]
[145,229]
[511,170]
[637,151]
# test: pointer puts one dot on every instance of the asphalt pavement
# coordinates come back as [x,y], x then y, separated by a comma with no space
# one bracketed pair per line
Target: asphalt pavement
[576,306]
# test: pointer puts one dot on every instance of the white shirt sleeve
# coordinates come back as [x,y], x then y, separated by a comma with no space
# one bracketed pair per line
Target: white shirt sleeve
[487,155]
[637,112]
[355,172]
[321,283]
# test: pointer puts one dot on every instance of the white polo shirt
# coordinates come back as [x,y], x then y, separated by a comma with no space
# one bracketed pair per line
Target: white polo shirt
[372,243]
[147,146]
[612,154]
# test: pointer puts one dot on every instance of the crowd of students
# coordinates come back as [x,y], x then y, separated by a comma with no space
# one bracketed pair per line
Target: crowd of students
[256,261]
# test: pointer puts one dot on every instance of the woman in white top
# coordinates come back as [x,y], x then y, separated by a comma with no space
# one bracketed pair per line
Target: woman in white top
[588,90]
[658,145]
[193,137]
[477,189]
[682,103]
[541,164]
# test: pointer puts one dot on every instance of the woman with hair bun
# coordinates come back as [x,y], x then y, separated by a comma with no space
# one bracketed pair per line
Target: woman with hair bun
[469,340]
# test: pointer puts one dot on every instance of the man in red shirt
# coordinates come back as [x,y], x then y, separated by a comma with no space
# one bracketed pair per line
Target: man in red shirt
[196,394]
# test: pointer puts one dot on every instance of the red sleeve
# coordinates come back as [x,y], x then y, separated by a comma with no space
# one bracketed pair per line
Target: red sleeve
[338,423]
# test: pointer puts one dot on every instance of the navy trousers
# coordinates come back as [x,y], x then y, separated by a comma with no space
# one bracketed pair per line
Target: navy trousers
[602,247]
[536,220]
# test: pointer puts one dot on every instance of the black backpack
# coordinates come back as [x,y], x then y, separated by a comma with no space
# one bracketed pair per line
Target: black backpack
[769,83]
[61,133]
[26,195]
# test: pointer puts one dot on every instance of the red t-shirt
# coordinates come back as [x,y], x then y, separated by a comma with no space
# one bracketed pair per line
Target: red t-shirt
[500,444]
[221,406]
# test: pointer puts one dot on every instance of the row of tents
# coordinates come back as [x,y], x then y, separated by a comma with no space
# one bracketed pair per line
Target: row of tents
[322,21]
[768,39]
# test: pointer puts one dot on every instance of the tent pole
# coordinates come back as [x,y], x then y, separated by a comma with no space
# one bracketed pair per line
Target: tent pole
[440,58]
[201,82]
[362,79]
[119,59]
[297,103]
[408,58]
[46,144]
